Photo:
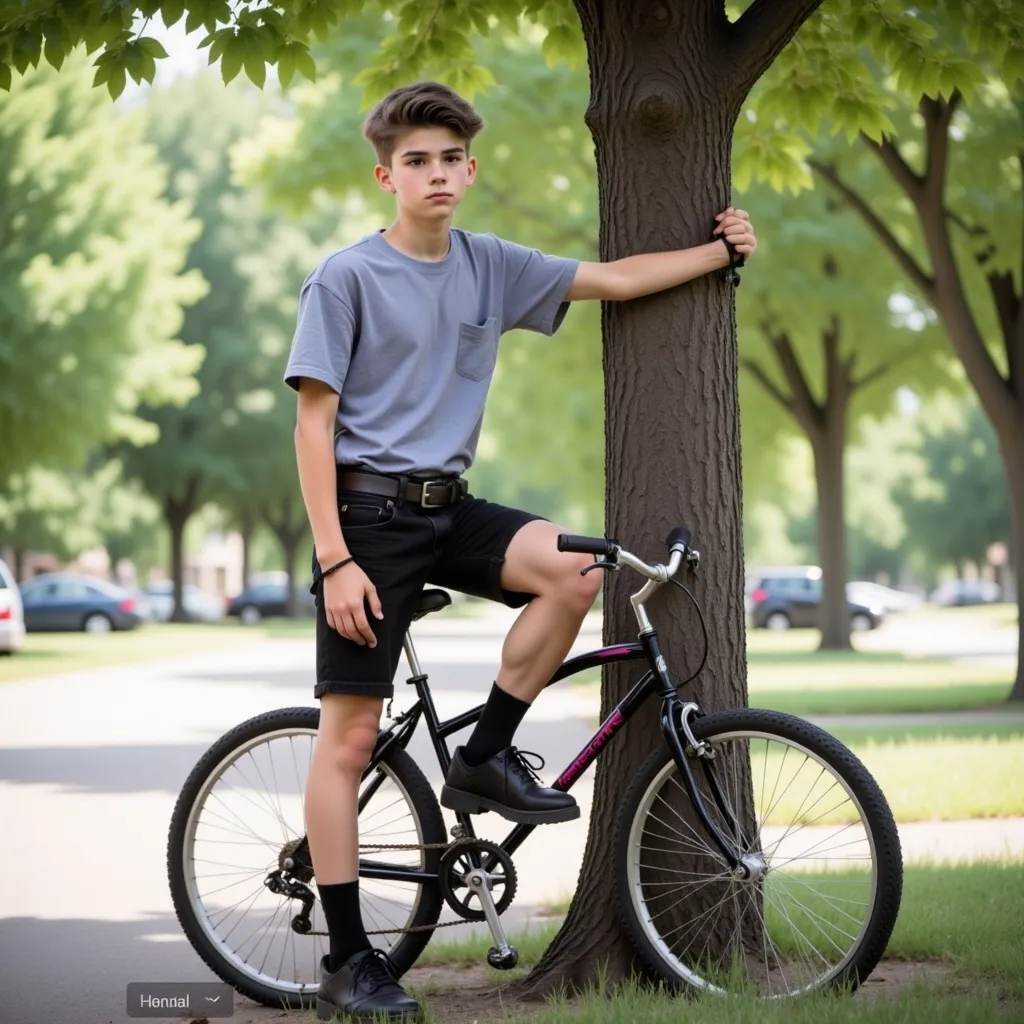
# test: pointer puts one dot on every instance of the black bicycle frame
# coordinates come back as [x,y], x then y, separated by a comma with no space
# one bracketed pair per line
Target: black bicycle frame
[654,681]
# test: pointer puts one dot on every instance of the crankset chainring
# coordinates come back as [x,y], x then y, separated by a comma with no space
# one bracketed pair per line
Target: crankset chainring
[458,860]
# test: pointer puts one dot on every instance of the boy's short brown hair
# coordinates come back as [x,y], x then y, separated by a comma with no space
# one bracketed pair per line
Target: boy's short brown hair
[421,105]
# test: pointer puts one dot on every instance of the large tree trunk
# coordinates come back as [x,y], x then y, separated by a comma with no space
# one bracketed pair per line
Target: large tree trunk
[667,84]
[177,512]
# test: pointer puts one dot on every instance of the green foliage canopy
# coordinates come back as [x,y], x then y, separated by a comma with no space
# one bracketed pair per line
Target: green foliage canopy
[91,282]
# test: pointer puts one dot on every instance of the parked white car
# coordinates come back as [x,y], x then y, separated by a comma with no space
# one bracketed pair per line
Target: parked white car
[199,605]
[12,614]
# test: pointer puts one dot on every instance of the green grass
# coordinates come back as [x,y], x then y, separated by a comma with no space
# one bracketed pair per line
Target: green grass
[786,673]
[948,779]
[967,917]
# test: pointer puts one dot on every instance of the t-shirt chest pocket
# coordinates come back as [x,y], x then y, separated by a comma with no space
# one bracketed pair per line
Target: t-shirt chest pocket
[478,348]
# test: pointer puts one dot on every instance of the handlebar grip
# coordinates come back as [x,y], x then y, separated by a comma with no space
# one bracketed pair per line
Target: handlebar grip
[680,535]
[586,545]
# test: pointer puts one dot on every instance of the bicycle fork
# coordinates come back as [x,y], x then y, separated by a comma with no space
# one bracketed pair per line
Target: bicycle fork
[746,866]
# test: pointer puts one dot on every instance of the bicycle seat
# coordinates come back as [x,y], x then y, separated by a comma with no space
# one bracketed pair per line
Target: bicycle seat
[431,601]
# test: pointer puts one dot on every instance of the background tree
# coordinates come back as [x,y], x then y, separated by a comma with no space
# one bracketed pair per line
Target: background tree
[820,338]
[91,289]
[943,86]
[959,504]
[41,510]
[252,263]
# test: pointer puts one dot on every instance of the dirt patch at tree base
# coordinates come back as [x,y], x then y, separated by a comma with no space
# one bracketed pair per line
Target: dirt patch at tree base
[459,994]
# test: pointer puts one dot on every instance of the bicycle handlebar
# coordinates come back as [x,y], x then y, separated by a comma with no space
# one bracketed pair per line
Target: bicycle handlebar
[678,542]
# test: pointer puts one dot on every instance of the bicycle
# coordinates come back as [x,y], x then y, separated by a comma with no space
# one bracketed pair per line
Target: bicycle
[718,888]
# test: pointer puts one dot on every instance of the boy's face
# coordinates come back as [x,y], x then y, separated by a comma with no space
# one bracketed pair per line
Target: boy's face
[429,171]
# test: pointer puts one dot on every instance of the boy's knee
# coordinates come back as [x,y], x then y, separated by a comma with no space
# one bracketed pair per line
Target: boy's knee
[578,590]
[348,732]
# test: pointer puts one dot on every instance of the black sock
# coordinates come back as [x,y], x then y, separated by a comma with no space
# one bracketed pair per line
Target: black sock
[498,723]
[344,921]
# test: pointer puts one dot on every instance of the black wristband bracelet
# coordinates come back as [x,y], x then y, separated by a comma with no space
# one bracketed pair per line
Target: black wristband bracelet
[730,273]
[336,566]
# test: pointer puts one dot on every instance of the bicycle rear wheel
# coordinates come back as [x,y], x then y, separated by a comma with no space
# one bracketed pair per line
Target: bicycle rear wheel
[828,872]
[238,819]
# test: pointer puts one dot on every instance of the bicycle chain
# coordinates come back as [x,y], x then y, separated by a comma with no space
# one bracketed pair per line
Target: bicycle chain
[378,847]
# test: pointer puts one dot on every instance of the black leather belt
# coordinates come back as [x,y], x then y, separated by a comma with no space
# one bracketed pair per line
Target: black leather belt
[426,493]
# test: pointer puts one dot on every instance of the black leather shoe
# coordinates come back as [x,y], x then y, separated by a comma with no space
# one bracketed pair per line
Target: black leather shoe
[364,988]
[507,784]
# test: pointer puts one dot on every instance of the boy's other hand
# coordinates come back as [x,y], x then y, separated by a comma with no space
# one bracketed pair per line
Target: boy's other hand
[735,225]
[346,593]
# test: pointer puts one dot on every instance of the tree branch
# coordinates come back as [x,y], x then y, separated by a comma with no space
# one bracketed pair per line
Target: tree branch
[883,368]
[937,114]
[807,411]
[762,31]
[901,172]
[754,369]
[924,284]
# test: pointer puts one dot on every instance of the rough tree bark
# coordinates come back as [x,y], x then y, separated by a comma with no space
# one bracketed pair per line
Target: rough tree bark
[177,512]
[668,79]
[943,286]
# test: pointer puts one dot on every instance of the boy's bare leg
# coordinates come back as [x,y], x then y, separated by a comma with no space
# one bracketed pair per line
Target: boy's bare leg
[547,628]
[354,979]
[486,774]
[344,743]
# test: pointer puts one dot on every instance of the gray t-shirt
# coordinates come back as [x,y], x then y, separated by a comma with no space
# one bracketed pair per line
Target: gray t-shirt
[410,345]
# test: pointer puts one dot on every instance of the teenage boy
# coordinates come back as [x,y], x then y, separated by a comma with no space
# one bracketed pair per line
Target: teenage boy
[396,341]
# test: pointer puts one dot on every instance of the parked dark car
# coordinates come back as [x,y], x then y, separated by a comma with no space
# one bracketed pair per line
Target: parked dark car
[794,601]
[269,600]
[62,601]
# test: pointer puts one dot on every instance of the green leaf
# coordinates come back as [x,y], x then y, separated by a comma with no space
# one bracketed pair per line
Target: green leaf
[304,62]
[481,21]
[5,78]
[133,62]
[171,11]
[152,47]
[116,82]
[286,65]
[254,66]
[194,20]
[27,45]
[54,48]
[231,61]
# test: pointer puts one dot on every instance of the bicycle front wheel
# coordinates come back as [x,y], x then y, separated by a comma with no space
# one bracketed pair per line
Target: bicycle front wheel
[823,856]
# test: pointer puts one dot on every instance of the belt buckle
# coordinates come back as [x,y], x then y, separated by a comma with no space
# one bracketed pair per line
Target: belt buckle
[427,484]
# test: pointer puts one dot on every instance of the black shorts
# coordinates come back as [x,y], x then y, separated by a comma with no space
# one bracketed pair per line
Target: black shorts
[402,548]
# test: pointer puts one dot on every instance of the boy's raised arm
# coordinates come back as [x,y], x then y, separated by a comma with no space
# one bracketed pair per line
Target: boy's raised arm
[649,272]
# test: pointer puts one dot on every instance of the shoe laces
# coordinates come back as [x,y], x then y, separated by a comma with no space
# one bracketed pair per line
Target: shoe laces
[518,763]
[377,970]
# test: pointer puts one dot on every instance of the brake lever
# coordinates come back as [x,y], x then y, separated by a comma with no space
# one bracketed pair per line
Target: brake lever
[601,565]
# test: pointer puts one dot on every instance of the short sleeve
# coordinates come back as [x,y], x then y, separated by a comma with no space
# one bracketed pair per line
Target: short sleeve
[535,288]
[324,338]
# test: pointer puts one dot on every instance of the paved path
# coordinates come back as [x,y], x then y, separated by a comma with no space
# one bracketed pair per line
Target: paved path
[90,766]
